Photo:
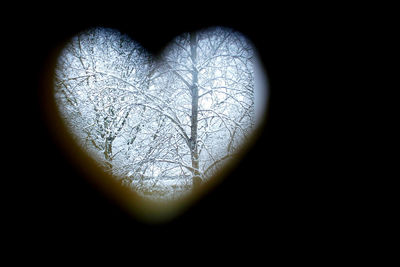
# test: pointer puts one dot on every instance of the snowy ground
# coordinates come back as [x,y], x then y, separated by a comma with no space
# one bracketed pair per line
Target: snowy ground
[164,188]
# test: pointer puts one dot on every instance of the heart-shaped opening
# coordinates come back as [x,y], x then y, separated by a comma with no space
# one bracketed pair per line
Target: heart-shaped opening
[157,132]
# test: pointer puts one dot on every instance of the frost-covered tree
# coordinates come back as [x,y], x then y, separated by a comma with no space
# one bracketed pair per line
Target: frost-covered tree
[148,122]
[96,75]
[210,81]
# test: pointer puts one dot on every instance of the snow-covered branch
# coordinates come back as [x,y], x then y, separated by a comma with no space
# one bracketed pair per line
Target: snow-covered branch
[145,120]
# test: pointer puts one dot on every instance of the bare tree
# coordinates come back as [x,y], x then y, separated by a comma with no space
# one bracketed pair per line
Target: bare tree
[213,71]
[96,75]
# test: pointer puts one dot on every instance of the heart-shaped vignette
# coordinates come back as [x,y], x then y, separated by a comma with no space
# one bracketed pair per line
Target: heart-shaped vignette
[128,119]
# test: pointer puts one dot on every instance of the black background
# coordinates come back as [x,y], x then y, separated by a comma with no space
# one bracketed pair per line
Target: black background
[273,205]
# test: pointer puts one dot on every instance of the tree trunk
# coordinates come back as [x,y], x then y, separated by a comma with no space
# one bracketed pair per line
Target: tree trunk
[108,154]
[195,107]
